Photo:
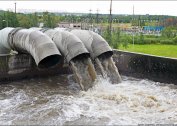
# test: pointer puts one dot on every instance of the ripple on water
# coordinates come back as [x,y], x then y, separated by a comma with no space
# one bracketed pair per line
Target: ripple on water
[58,100]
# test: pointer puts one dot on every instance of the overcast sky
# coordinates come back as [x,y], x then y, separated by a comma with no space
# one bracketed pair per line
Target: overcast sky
[119,7]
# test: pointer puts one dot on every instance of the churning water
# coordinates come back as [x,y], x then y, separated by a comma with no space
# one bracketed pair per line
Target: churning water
[84,72]
[106,66]
[59,100]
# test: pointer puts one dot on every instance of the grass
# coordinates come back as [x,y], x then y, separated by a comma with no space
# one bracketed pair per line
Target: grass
[158,50]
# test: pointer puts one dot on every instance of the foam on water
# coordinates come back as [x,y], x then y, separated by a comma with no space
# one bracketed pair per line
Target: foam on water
[58,100]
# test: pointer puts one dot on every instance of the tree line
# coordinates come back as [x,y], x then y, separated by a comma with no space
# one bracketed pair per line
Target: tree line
[11,19]
[8,18]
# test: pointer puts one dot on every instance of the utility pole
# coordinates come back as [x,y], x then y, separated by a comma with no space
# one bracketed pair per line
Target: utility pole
[97,16]
[90,18]
[132,24]
[15,7]
[110,17]
[110,24]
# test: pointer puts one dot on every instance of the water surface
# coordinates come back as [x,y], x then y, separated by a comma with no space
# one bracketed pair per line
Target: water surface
[59,100]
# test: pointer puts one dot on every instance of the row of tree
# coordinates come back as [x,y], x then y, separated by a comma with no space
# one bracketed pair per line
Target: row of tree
[11,19]
[51,19]
[116,37]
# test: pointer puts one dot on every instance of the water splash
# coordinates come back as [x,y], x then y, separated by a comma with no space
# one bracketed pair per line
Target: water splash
[106,66]
[84,72]
[59,101]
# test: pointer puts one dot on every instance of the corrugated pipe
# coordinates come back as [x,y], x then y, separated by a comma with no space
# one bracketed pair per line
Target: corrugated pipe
[39,45]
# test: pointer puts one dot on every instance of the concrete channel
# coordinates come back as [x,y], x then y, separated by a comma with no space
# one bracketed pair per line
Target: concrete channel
[160,69]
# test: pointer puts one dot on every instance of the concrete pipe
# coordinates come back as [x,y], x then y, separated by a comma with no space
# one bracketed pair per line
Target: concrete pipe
[75,54]
[39,45]
[4,45]
[101,52]
[69,45]
[94,43]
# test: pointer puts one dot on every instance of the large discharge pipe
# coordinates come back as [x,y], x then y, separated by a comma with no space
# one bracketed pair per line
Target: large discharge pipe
[69,44]
[93,42]
[37,44]
[75,53]
[101,52]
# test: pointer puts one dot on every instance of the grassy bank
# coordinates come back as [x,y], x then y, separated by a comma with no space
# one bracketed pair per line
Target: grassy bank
[159,50]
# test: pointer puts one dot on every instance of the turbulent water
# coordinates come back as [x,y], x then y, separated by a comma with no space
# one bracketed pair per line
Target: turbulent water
[59,100]
[106,67]
[84,72]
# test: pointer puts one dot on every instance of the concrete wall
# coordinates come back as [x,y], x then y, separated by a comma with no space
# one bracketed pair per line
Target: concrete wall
[132,64]
[14,67]
[146,66]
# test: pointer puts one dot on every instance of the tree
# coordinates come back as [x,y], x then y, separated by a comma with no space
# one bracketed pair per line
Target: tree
[33,20]
[11,19]
[1,22]
[167,32]
[50,20]
[24,20]
[46,19]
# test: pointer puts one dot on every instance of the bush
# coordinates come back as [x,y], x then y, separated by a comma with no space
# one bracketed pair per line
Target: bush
[151,36]
[141,39]
[175,40]
[107,36]
[168,32]
[116,38]
[167,41]
[151,40]
[125,39]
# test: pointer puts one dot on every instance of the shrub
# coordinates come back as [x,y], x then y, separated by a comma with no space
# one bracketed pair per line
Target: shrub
[151,40]
[141,39]
[167,41]
[107,36]
[116,38]
[151,36]
[125,39]
[175,40]
[168,32]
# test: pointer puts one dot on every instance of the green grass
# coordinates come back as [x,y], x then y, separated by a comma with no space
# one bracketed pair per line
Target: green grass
[158,50]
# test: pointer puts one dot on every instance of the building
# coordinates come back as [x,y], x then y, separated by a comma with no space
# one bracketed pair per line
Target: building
[153,28]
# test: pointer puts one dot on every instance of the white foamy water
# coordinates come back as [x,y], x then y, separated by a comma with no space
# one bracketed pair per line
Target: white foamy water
[58,100]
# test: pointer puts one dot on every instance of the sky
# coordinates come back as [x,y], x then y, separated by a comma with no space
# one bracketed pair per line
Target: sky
[118,7]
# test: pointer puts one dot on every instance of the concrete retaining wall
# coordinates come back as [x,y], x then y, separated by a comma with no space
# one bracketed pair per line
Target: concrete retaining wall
[146,66]
[132,64]
[15,67]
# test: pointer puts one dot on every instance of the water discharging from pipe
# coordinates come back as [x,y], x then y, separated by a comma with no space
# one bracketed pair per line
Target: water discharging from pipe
[84,72]
[106,67]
